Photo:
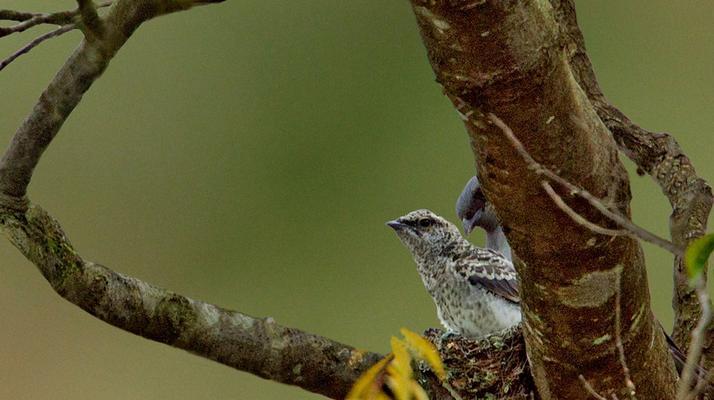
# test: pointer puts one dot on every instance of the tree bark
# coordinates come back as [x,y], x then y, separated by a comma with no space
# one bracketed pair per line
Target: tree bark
[659,155]
[512,58]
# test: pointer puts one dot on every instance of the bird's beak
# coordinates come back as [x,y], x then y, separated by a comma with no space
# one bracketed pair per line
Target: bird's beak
[396,225]
[470,223]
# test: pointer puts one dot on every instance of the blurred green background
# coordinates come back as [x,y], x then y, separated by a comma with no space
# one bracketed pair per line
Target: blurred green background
[249,153]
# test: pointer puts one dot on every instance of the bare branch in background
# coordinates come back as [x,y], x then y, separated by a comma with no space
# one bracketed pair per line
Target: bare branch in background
[66,89]
[28,20]
[36,42]
[13,15]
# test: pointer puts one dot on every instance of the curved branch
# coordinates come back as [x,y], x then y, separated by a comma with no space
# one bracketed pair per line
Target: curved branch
[259,346]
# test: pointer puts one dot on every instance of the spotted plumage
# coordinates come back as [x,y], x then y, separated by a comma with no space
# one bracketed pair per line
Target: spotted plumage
[474,289]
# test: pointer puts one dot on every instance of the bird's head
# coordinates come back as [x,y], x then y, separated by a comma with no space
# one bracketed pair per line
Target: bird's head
[425,233]
[474,210]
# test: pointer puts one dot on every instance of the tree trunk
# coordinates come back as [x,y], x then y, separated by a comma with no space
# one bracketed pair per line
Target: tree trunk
[512,59]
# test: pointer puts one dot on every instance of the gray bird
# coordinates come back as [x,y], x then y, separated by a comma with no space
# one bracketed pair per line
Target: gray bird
[474,210]
[475,289]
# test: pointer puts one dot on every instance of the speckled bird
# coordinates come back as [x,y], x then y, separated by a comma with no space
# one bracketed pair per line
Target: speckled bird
[474,289]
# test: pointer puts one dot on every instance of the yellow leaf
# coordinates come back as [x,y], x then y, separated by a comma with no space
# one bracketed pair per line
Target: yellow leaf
[418,391]
[402,360]
[425,351]
[361,389]
[395,370]
[399,386]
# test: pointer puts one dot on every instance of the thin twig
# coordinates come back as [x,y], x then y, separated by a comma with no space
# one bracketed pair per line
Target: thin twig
[25,49]
[28,20]
[684,391]
[618,339]
[60,18]
[702,384]
[12,15]
[633,230]
[590,389]
[577,217]
[454,394]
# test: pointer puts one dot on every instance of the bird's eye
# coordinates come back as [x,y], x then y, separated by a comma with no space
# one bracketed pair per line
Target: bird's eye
[425,222]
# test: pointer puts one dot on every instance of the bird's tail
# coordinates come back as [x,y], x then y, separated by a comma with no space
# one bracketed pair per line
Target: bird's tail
[680,359]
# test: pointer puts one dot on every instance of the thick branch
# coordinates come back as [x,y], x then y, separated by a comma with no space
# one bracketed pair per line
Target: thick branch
[259,346]
[510,58]
[659,155]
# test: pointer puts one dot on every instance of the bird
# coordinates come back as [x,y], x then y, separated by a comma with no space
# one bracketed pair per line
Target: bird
[475,290]
[475,211]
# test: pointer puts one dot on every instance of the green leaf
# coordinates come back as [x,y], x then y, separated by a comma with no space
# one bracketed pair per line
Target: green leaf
[697,254]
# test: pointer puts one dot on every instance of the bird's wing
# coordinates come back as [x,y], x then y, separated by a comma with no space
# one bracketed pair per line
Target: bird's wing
[490,270]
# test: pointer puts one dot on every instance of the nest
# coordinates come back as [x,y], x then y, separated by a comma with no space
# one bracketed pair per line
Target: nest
[494,367]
